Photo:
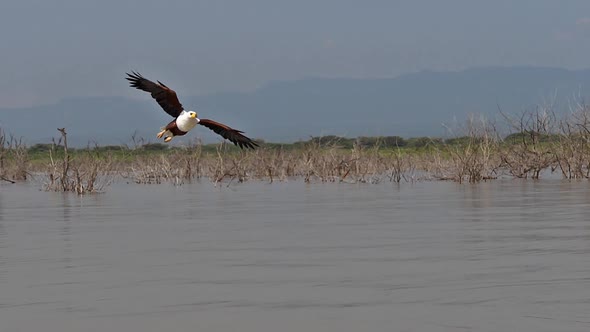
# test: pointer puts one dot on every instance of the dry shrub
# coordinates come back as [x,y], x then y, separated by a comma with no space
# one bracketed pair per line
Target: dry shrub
[401,166]
[471,155]
[571,147]
[84,174]
[475,152]
[177,167]
[152,170]
[527,152]
[228,166]
[14,158]
[314,162]
[323,163]
[331,163]
[276,164]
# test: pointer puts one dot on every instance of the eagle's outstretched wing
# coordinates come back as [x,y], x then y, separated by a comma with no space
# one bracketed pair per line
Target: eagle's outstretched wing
[165,96]
[235,136]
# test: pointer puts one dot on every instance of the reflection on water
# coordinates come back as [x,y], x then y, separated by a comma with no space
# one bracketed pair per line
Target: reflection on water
[498,256]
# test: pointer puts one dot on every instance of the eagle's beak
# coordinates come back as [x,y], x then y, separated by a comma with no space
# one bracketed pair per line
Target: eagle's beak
[193,115]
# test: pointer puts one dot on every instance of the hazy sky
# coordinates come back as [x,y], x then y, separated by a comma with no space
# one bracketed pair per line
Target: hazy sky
[53,49]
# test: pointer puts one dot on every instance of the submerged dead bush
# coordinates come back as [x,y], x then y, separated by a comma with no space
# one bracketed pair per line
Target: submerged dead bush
[571,148]
[528,152]
[536,140]
[184,164]
[87,173]
[471,155]
[14,158]
[313,162]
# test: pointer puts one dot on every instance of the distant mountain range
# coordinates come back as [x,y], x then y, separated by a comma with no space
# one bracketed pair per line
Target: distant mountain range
[282,111]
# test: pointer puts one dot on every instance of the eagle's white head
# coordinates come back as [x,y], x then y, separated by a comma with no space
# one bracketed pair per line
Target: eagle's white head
[187,120]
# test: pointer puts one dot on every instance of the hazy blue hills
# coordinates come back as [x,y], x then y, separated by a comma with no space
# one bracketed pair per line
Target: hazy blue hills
[409,105]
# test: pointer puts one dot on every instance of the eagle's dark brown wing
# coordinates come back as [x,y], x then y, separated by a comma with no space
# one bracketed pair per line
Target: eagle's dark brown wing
[235,136]
[165,96]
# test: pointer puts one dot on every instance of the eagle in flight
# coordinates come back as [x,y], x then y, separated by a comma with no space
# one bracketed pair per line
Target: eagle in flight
[184,120]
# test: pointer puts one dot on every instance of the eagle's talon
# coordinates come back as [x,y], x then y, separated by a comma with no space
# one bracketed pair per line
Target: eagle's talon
[160,134]
[168,139]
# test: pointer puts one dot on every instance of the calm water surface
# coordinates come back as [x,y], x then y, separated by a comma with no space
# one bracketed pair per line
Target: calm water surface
[500,256]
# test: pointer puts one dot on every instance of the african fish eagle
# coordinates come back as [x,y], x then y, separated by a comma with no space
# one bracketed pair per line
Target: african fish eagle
[184,120]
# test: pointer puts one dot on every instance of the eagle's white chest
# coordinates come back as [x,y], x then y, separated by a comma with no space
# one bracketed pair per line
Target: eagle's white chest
[185,123]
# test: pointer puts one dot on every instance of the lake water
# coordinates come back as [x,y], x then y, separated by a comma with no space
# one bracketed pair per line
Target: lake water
[433,256]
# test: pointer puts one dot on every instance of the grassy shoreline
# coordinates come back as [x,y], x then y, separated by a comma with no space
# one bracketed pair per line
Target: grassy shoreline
[535,141]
